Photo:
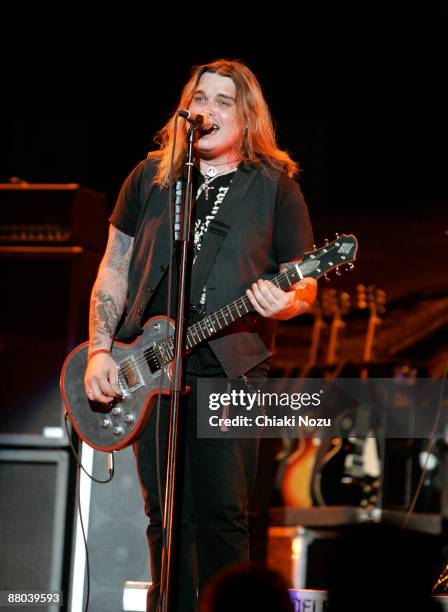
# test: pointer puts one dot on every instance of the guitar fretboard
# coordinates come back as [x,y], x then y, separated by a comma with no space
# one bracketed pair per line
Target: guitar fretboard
[222,318]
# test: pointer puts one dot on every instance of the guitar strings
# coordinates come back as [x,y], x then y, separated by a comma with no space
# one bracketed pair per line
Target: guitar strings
[198,327]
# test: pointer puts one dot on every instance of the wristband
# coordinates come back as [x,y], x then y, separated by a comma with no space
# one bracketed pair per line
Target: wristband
[100,350]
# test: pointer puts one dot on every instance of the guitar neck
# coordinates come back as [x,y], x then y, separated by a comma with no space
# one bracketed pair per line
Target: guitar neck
[336,325]
[315,341]
[222,318]
[374,321]
[374,299]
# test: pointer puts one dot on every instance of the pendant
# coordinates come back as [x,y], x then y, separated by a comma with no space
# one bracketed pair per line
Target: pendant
[212,172]
[206,189]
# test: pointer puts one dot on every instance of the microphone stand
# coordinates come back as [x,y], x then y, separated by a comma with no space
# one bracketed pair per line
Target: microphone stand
[168,514]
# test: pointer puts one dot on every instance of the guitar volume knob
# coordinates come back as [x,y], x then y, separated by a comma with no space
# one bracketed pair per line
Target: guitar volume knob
[117,430]
[105,423]
[129,418]
[125,395]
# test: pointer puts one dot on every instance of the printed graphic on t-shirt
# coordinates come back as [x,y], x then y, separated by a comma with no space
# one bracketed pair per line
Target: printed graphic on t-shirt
[201,227]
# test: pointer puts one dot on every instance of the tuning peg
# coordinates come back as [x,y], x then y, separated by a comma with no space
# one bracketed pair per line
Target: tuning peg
[314,247]
[326,241]
[336,234]
[350,267]
[327,278]
[338,272]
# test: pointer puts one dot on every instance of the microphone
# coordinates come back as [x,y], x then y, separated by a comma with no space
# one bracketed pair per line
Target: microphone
[198,120]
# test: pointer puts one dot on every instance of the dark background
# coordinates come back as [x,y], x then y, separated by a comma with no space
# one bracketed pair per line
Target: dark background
[357,95]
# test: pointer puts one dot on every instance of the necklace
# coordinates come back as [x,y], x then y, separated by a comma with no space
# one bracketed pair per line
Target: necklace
[226,163]
[212,173]
[210,176]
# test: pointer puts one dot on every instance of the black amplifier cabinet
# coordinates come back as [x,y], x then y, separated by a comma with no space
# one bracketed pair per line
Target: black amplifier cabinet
[51,242]
[36,509]
[52,214]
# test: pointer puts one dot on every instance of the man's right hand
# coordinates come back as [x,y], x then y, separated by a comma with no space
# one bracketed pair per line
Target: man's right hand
[101,379]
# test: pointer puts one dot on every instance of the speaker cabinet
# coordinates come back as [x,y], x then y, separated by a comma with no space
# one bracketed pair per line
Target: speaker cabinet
[33,505]
[114,519]
[45,314]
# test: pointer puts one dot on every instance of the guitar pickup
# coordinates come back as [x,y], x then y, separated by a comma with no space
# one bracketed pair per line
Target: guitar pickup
[154,359]
[130,377]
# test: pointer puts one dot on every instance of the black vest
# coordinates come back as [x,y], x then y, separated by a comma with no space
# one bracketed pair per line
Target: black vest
[246,254]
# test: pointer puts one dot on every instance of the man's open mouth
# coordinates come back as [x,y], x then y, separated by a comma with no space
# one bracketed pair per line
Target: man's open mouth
[212,130]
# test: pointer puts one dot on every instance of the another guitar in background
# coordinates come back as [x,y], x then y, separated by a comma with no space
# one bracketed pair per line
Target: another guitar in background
[316,332]
[348,473]
[304,450]
[330,309]
[338,305]
[374,300]
[297,470]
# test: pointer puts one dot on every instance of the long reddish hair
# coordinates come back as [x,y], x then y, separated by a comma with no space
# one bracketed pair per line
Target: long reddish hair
[258,144]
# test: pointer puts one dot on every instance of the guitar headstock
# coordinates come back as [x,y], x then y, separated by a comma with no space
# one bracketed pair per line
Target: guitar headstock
[338,255]
[371,298]
[334,303]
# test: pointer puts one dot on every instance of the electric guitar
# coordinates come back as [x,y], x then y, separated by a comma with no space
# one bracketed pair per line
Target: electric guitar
[297,471]
[349,472]
[142,363]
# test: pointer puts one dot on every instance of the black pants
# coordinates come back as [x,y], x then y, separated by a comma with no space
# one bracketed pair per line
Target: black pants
[214,479]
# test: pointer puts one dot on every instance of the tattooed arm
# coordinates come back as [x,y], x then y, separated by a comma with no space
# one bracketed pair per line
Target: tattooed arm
[110,290]
[270,301]
[106,307]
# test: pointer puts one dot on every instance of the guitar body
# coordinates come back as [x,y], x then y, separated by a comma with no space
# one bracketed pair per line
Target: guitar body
[343,479]
[298,476]
[117,425]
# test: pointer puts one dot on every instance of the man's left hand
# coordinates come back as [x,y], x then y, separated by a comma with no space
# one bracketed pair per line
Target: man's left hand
[273,303]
